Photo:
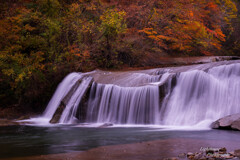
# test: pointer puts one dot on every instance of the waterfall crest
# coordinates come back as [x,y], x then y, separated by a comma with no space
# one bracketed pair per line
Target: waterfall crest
[180,96]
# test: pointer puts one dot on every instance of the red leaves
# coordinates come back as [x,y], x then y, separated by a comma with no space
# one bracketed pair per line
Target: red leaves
[187,27]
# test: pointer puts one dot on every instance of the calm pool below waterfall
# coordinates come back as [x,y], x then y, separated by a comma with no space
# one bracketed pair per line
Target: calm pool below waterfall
[20,141]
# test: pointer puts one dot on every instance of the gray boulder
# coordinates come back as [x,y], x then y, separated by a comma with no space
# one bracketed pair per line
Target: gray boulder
[228,122]
[236,124]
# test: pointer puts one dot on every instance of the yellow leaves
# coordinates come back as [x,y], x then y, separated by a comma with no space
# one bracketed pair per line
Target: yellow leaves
[112,22]
[228,9]
[21,67]
[20,77]
[8,72]
[87,27]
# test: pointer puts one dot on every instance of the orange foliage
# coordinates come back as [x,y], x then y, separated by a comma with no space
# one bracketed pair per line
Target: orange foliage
[187,27]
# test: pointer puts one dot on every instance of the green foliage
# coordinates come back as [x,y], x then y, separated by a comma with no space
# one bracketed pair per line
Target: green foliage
[112,23]
[50,8]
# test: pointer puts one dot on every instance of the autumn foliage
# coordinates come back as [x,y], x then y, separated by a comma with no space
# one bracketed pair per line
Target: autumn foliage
[43,38]
[183,27]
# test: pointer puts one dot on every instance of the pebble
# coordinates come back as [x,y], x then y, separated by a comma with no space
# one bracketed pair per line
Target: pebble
[210,154]
[182,155]
[190,154]
[237,153]
[222,150]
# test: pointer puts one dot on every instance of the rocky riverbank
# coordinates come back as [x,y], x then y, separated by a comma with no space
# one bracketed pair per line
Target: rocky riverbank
[6,122]
[177,149]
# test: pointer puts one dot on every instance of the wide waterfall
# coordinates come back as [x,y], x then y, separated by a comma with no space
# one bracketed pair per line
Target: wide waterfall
[175,96]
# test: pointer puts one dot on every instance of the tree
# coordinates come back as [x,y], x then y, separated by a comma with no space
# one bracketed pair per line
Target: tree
[112,24]
[188,28]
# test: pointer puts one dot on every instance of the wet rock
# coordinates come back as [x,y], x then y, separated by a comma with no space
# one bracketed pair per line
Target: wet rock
[82,111]
[237,153]
[198,156]
[228,122]
[209,151]
[57,115]
[226,156]
[68,96]
[211,154]
[222,150]
[236,125]
[182,155]
[82,106]
[231,153]
[190,155]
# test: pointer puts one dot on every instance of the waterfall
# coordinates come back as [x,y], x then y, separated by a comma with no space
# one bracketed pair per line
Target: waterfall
[178,96]
[123,105]
[201,95]
[62,89]
[70,112]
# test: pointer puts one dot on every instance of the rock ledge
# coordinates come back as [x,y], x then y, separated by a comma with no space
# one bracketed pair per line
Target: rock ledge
[231,122]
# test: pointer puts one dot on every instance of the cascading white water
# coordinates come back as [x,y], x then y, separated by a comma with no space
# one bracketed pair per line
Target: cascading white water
[201,95]
[123,105]
[70,111]
[62,89]
[202,92]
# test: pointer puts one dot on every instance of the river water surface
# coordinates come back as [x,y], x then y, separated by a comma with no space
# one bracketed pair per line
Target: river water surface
[21,141]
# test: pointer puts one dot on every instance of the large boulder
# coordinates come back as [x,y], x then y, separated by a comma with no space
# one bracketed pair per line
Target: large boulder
[228,122]
[236,124]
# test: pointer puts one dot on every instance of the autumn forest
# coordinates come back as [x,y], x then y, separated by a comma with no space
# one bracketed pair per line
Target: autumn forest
[43,40]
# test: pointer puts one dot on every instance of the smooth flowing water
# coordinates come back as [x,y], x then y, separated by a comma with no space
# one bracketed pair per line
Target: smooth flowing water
[21,141]
[182,96]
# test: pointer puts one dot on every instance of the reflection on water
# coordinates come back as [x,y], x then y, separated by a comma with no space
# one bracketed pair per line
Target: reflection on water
[18,141]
